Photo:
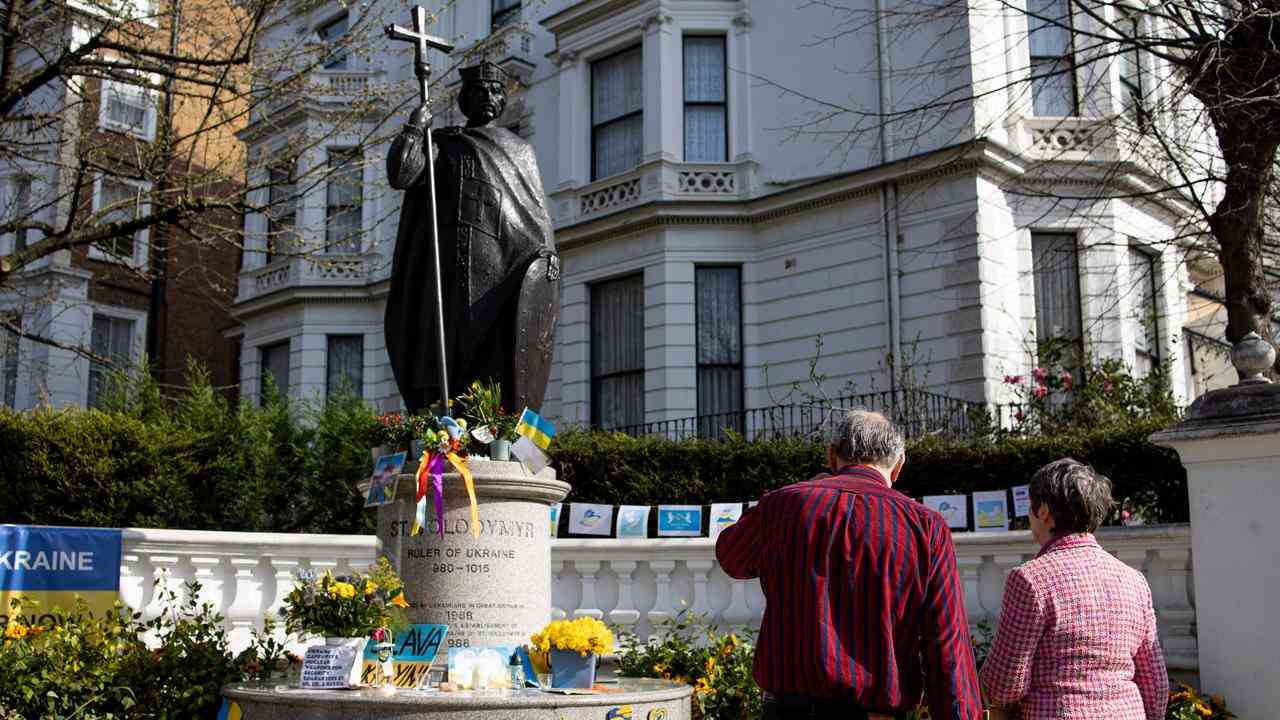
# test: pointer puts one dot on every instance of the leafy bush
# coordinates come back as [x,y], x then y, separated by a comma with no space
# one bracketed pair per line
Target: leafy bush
[617,469]
[717,665]
[195,461]
[98,667]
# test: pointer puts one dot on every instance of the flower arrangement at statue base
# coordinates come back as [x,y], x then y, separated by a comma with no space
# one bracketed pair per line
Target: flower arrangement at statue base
[347,610]
[572,647]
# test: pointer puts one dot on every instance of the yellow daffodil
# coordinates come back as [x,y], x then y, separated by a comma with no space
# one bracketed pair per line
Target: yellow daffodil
[399,601]
[16,631]
[370,587]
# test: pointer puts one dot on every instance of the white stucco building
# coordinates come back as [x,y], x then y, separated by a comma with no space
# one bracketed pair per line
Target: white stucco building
[706,244]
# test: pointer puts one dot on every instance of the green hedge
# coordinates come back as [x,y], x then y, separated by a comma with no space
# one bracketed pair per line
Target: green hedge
[196,463]
[200,462]
[616,469]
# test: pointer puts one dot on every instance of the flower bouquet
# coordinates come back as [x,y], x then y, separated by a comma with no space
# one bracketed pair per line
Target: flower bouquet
[443,442]
[573,647]
[345,606]
[491,422]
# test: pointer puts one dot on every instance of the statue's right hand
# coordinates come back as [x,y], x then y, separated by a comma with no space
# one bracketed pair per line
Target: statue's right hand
[420,119]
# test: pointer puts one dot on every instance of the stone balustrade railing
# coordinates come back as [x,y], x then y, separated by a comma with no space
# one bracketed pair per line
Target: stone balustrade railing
[317,269]
[658,180]
[632,583]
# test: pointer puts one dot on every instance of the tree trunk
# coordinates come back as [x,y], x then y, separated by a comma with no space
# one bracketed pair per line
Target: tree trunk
[1237,223]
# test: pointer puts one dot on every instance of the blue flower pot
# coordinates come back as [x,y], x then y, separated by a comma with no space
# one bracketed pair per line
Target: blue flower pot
[571,670]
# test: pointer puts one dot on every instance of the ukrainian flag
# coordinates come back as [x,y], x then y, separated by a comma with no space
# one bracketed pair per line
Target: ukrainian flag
[538,430]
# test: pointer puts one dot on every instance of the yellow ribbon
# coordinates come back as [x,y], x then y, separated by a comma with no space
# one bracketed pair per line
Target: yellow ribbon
[461,466]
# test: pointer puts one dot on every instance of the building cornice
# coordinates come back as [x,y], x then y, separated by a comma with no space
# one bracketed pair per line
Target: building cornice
[587,13]
[303,294]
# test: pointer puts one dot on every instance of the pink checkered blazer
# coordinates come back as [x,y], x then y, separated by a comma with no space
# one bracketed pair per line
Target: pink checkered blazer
[1077,639]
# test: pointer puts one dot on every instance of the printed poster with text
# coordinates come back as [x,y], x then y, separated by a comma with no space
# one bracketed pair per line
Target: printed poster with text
[415,650]
[54,565]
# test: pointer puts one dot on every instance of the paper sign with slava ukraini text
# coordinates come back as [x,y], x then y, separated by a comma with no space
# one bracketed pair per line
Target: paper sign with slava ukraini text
[329,667]
[415,649]
[54,566]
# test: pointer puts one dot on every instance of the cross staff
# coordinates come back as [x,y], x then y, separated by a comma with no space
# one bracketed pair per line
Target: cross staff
[422,43]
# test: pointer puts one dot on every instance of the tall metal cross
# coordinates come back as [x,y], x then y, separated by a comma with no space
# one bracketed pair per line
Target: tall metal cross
[422,44]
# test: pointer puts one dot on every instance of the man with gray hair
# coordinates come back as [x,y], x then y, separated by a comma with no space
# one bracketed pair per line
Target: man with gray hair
[860,585]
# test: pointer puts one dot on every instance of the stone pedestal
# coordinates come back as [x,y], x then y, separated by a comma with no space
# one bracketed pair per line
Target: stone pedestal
[490,590]
[1230,445]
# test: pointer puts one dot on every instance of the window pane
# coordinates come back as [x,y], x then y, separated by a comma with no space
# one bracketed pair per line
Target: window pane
[1048,28]
[719,315]
[274,364]
[126,105]
[332,35]
[9,365]
[718,299]
[618,146]
[704,133]
[1142,270]
[704,72]
[1053,89]
[344,202]
[21,205]
[122,199]
[283,210]
[505,12]
[110,338]
[617,352]
[1057,287]
[345,365]
[617,86]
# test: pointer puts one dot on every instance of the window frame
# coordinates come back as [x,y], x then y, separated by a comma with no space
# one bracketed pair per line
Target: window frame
[1133,100]
[596,377]
[1079,295]
[329,338]
[10,358]
[684,93]
[334,62]
[149,95]
[356,154]
[15,241]
[502,17]
[137,331]
[263,368]
[1069,59]
[591,106]
[1152,259]
[699,365]
[276,228]
[141,238]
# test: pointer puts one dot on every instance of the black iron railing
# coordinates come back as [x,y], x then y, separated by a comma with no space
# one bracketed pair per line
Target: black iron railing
[917,412]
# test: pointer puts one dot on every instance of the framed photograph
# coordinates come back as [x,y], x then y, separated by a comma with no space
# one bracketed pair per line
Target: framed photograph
[555,519]
[385,479]
[680,521]
[1022,501]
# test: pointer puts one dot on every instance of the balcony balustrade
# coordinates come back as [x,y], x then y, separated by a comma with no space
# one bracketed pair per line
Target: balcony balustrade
[654,181]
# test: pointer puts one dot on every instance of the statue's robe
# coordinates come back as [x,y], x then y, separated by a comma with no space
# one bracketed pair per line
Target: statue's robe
[492,224]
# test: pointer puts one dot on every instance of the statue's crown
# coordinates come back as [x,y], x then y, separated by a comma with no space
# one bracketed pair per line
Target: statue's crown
[483,71]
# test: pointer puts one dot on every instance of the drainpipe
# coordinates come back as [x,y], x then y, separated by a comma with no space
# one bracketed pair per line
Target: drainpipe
[888,205]
[159,251]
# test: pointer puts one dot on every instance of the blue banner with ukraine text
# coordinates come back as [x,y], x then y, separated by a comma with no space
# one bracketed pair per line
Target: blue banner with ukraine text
[55,566]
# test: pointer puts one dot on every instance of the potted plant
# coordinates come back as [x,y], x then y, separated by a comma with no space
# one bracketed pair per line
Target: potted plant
[346,609]
[573,647]
[490,422]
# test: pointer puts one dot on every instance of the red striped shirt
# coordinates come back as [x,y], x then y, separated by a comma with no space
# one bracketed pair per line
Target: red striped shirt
[861,587]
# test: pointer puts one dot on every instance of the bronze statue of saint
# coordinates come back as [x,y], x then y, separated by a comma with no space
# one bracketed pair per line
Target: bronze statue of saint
[499,272]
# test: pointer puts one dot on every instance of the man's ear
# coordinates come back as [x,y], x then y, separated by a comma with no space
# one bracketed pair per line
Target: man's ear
[897,468]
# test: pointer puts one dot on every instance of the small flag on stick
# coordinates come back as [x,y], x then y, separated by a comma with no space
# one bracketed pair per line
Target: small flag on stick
[529,454]
[534,427]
